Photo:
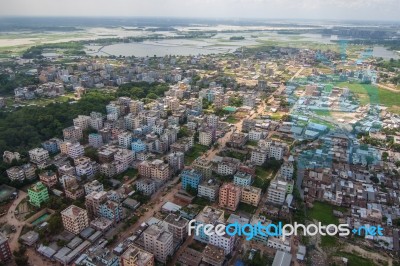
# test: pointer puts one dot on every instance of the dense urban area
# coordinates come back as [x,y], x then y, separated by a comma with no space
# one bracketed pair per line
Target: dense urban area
[107,158]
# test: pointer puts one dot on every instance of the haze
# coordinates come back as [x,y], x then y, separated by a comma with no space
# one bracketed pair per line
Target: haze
[257,9]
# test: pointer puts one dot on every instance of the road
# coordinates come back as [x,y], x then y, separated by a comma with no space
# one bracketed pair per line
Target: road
[388,88]
[12,220]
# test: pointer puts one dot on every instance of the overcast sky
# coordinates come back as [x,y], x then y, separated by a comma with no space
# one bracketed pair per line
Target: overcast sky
[312,9]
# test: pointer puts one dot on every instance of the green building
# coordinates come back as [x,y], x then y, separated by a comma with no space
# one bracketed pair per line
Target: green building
[37,194]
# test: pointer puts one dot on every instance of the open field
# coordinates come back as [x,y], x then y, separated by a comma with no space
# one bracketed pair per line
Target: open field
[323,212]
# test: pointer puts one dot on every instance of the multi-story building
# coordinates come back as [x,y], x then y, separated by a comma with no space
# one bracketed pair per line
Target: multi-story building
[139,145]
[95,140]
[82,121]
[279,243]
[75,150]
[177,225]
[258,156]
[9,157]
[242,179]
[190,177]
[225,241]
[39,156]
[176,161]
[74,219]
[87,169]
[111,210]
[208,215]
[229,196]
[48,178]
[155,169]
[52,145]
[147,186]
[38,194]
[125,139]
[5,251]
[277,191]
[16,173]
[66,169]
[94,185]
[286,171]
[159,242]
[262,238]
[125,157]
[213,255]
[203,166]
[73,133]
[93,201]
[251,195]
[208,189]
[228,166]
[206,137]
[73,190]
[135,256]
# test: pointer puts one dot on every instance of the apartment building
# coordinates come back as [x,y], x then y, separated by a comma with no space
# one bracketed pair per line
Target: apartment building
[125,157]
[147,186]
[5,251]
[94,185]
[214,255]
[19,173]
[39,156]
[72,133]
[208,215]
[75,150]
[177,226]
[93,201]
[229,196]
[176,161]
[277,191]
[52,145]
[159,242]
[228,166]
[258,156]
[251,195]
[135,256]
[203,166]
[82,121]
[208,189]
[111,210]
[74,219]
[38,194]
[242,179]
[125,140]
[95,140]
[190,178]
[225,241]
[156,169]
[48,178]
[286,171]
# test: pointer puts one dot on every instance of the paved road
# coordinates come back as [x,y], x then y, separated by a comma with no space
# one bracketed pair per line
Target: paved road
[12,220]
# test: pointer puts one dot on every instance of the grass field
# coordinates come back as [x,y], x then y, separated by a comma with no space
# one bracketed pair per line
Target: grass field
[323,212]
[230,119]
[196,151]
[328,241]
[372,94]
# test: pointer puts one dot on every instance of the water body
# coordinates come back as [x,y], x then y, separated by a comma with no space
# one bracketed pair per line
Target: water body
[380,51]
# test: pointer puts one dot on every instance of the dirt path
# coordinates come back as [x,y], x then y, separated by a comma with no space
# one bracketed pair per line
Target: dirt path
[376,257]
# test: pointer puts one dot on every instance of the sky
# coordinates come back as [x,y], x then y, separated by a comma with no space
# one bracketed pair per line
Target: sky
[257,9]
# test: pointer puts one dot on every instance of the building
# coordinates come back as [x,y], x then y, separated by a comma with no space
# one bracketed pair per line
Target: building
[5,251]
[73,133]
[95,140]
[228,166]
[82,121]
[225,241]
[75,150]
[48,178]
[229,196]
[251,195]
[258,156]
[159,242]
[147,186]
[9,157]
[93,201]
[74,219]
[242,179]
[93,186]
[286,171]
[282,259]
[213,255]
[206,137]
[111,210]
[135,256]
[125,140]
[156,169]
[176,161]
[208,215]
[177,226]
[16,173]
[208,189]
[39,156]
[52,145]
[38,194]
[203,166]
[277,191]
[190,178]
[261,238]
[279,243]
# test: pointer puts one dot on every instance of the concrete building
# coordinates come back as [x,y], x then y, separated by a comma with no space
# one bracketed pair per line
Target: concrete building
[52,145]
[258,156]
[75,150]
[147,186]
[277,191]
[111,210]
[125,140]
[48,178]
[135,256]
[282,259]
[82,121]
[74,219]
[203,166]
[229,196]
[5,251]
[242,179]
[93,185]
[213,255]
[73,133]
[226,242]
[39,156]
[206,137]
[95,140]
[38,194]
[93,201]
[251,195]
[208,215]
[208,189]
[190,177]
[176,161]
[9,157]
[159,242]
[286,171]
[156,169]
[177,225]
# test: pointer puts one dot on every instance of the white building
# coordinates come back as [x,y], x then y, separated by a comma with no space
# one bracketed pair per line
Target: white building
[225,242]
[125,139]
[39,156]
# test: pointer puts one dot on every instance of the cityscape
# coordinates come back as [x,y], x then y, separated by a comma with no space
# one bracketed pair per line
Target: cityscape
[141,139]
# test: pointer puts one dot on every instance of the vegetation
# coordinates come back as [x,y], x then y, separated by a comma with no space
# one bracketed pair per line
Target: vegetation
[323,212]
[247,208]
[7,84]
[195,152]
[354,259]
[140,90]
[329,241]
